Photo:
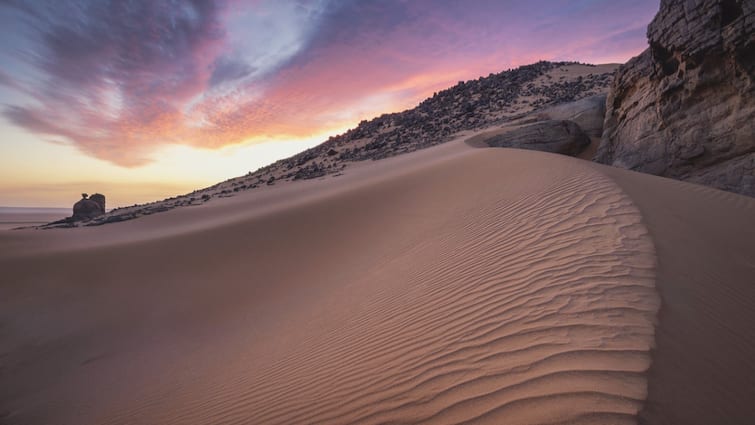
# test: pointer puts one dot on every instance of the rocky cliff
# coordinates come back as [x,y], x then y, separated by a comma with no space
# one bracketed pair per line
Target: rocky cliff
[685,108]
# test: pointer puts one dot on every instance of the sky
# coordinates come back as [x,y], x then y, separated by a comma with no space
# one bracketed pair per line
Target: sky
[145,99]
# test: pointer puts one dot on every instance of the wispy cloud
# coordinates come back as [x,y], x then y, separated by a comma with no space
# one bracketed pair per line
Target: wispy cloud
[119,79]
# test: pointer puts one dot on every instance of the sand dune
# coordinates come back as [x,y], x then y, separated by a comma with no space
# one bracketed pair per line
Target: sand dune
[448,285]
[703,365]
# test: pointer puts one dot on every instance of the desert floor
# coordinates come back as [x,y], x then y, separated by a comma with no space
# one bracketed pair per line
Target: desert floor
[453,284]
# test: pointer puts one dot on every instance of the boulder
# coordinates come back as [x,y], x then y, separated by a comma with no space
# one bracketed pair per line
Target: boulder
[99,199]
[89,207]
[588,113]
[556,136]
[685,107]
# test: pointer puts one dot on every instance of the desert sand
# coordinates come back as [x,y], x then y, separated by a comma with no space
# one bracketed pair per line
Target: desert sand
[452,284]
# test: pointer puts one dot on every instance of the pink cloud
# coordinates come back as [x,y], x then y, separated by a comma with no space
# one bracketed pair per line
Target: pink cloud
[123,78]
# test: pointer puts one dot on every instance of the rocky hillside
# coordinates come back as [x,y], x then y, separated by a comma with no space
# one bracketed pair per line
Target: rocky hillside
[685,108]
[470,105]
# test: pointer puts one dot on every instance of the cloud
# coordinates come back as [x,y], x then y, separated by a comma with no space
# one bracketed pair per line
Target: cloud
[117,74]
[229,69]
[372,57]
[120,79]
[8,80]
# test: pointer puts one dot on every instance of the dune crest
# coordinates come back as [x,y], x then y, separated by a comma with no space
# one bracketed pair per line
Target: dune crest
[477,288]
[533,308]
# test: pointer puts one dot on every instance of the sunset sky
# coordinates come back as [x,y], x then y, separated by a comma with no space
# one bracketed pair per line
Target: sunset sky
[145,99]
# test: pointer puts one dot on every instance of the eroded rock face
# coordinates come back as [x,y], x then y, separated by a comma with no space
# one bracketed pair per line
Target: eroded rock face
[685,107]
[556,136]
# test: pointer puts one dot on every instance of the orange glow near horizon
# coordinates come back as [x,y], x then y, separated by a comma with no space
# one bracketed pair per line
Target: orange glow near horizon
[229,87]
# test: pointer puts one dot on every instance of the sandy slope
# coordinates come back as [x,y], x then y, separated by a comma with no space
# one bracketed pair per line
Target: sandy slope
[704,364]
[447,285]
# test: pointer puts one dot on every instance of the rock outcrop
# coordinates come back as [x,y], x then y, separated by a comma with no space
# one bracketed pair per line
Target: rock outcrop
[88,207]
[555,136]
[685,108]
[588,113]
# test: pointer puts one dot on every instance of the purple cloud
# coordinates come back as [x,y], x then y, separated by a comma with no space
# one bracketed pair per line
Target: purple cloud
[120,78]
[227,68]
[118,73]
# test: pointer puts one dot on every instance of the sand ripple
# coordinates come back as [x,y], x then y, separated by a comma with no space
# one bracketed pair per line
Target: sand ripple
[503,304]
[538,309]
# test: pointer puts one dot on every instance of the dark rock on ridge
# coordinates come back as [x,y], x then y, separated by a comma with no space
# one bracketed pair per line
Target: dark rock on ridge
[685,108]
[555,136]
[88,207]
